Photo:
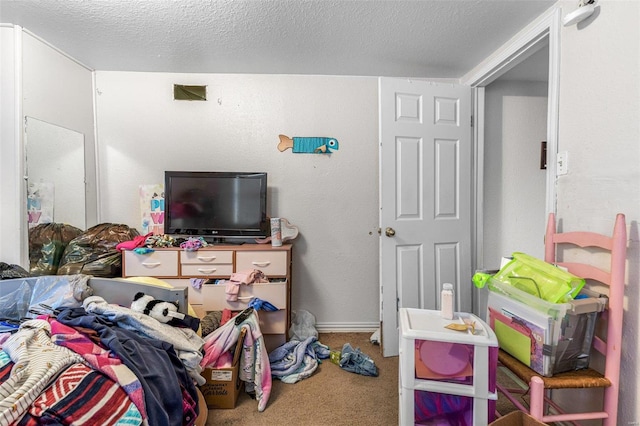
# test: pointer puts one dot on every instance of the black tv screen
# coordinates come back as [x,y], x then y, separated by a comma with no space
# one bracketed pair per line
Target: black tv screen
[217,204]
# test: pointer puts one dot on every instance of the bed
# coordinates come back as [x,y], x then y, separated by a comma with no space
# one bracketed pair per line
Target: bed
[57,361]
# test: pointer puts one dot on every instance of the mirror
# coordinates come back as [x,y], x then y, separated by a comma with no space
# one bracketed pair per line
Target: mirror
[55,169]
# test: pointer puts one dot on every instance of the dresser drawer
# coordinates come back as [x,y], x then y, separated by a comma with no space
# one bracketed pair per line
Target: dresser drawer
[272,263]
[214,297]
[207,270]
[274,322]
[155,264]
[206,263]
[206,257]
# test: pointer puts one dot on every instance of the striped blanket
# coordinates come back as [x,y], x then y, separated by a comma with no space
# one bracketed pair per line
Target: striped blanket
[43,383]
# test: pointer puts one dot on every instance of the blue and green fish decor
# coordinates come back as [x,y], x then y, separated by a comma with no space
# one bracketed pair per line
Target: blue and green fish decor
[308,145]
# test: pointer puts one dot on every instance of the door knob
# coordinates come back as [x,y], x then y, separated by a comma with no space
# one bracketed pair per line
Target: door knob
[389,232]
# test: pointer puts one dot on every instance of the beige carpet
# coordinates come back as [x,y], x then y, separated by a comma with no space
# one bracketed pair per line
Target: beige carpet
[331,396]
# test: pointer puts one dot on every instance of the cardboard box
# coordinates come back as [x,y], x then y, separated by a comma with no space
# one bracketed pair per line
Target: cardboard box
[517,418]
[223,384]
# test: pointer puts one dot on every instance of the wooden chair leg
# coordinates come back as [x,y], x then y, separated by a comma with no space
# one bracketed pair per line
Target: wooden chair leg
[611,406]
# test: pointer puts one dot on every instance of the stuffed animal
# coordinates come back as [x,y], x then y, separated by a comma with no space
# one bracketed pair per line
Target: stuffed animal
[159,309]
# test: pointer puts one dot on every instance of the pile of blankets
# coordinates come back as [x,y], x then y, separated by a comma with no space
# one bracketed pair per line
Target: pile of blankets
[297,360]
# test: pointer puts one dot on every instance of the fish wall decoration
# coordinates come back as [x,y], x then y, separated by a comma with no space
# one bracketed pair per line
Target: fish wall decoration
[308,145]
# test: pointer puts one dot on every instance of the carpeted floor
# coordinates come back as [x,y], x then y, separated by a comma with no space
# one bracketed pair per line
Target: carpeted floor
[331,396]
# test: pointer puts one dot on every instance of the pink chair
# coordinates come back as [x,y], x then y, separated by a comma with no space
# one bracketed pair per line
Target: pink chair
[539,387]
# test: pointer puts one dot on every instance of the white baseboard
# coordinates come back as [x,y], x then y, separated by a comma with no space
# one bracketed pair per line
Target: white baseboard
[349,327]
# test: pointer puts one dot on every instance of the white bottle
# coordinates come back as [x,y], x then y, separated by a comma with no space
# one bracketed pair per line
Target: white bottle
[276,232]
[446,301]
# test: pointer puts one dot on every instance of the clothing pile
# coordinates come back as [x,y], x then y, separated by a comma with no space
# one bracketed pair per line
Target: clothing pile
[254,371]
[297,360]
[246,277]
[354,361]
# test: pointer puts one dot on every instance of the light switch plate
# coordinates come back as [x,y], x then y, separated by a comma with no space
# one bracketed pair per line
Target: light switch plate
[562,163]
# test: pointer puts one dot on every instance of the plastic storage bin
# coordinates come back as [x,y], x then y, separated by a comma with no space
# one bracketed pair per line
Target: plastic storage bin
[548,337]
[446,376]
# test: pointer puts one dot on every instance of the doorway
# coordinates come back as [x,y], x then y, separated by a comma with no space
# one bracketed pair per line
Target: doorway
[514,172]
[515,161]
[516,109]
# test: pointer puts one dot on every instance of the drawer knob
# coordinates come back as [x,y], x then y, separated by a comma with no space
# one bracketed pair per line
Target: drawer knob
[206,259]
[262,264]
[151,265]
[206,271]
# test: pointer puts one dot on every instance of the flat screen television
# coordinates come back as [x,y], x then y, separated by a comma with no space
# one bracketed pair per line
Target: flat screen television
[216,205]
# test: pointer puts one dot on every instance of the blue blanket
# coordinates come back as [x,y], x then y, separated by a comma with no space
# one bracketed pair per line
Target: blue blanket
[297,360]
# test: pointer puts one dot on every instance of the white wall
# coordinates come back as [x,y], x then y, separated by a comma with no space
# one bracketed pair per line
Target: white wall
[41,82]
[12,225]
[58,90]
[514,184]
[600,129]
[333,199]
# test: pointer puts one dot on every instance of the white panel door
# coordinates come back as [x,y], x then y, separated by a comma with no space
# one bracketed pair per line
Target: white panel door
[425,198]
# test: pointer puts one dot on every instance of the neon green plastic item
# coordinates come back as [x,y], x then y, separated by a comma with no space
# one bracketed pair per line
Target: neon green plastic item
[480,279]
[540,278]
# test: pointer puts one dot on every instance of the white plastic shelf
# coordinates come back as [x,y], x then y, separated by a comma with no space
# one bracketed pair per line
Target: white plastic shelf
[439,362]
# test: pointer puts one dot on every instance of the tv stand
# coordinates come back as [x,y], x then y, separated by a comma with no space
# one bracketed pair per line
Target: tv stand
[218,261]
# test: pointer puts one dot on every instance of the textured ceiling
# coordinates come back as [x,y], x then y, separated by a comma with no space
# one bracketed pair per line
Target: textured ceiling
[427,38]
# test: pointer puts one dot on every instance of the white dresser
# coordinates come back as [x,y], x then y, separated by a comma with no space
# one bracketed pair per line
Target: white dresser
[177,267]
